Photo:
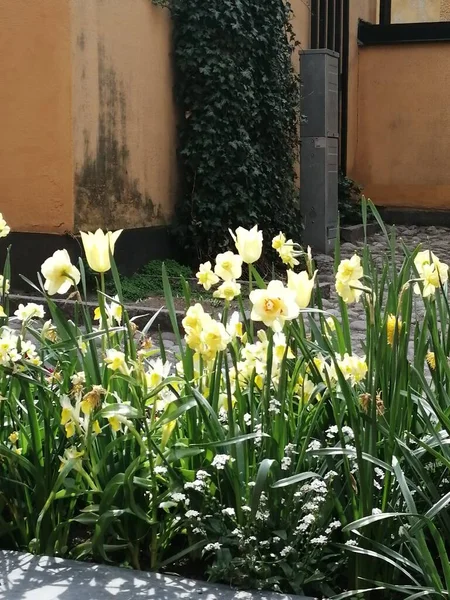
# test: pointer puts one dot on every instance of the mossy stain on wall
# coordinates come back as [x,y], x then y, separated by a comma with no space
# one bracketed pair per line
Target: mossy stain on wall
[106,195]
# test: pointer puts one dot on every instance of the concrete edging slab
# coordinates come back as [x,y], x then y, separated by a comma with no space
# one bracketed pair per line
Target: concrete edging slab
[23,576]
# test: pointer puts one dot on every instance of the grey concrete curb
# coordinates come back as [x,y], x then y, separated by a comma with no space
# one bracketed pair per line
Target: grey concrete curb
[354,233]
[27,577]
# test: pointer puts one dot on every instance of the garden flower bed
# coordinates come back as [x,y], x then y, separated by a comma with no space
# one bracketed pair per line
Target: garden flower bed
[270,456]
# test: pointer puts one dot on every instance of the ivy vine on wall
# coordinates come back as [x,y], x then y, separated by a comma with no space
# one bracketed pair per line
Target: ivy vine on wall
[238,96]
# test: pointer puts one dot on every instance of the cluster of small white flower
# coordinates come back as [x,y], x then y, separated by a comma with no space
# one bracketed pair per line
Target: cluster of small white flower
[289,452]
[212,547]
[220,461]
[314,445]
[274,406]
[160,470]
[379,478]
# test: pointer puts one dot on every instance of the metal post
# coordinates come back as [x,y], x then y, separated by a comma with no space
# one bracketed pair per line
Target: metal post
[319,150]
[385,12]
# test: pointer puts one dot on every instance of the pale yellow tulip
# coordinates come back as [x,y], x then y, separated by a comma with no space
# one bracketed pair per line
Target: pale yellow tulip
[97,247]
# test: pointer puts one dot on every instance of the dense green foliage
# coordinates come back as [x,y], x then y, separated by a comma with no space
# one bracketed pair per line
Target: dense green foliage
[349,201]
[238,96]
[148,281]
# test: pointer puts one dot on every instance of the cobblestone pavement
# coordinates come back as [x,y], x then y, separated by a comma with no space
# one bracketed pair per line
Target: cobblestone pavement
[436,239]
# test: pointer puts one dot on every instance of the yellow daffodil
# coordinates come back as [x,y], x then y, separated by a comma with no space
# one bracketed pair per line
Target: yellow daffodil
[206,276]
[70,429]
[248,243]
[195,315]
[431,360]
[228,290]
[391,324]
[4,228]
[92,399]
[113,311]
[348,277]
[259,381]
[302,285]
[288,254]
[157,373]
[97,247]
[2,312]
[274,305]
[13,437]
[49,331]
[67,411]
[428,258]
[115,423]
[116,361]
[432,272]
[228,266]
[279,241]
[4,285]
[96,427]
[353,368]
[330,323]
[60,274]
[72,454]
[215,336]
[279,347]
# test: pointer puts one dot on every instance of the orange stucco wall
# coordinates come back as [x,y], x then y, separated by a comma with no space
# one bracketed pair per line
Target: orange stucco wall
[302,22]
[36,182]
[123,114]
[366,10]
[404,125]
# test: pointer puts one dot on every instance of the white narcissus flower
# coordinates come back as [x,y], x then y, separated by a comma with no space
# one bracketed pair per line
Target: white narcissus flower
[206,276]
[113,311]
[228,290]
[97,247]
[274,305]
[8,347]
[302,285]
[228,266]
[115,359]
[234,326]
[60,274]
[4,228]
[30,311]
[248,243]
[279,347]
